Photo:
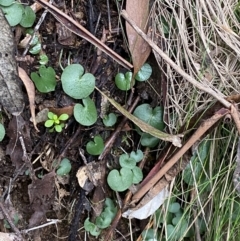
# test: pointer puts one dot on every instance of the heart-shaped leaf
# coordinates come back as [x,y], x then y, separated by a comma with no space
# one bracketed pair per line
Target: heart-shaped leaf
[174,207]
[137,156]
[148,140]
[123,82]
[36,48]
[75,83]
[2,132]
[126,161]
[64,167]
[153,117]
[144,73]
[85,114]
[91,228]
[120,181]
[110,120]
[110,208]
[28,17]
[103,221]
[45,81]
[175,139]
[96,147]
[137,175]
[13,13]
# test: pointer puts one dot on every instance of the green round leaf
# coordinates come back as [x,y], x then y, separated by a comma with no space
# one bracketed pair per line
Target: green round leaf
[63,117]
[2,132]
[43,59]
[120,181]
[123,82]
[110,120]
[28,17]
[137,156]
[45,81]
[51,115]
[35,41]
[85,114]
[174,207]
[49,123]
[153,117]
[110,210]
[91,228]
[13,13]
[96,147]
[64,167]
[58,128]
[126,161]
[170,231]
[6,2]
[137,175]
[176,220]
[149,234]
[75,84]
[36,48]
[144,73]
[148,140]
[181,228]
[103,221]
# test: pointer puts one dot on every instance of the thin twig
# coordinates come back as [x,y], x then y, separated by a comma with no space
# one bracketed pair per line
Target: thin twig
[8,218]
[199,132]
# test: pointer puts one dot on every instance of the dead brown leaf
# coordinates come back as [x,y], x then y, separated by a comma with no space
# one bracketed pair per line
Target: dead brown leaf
[138,10]
[64,110]
[41,196]
[30,91]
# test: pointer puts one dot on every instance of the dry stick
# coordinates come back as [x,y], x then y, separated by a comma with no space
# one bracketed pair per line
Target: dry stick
[8,218]
[112,138]
[199,132]
[235,116]
[79,30]
[205,87]
[36,28]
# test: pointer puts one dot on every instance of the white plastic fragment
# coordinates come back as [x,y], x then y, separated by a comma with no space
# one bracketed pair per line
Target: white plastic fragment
[149,208]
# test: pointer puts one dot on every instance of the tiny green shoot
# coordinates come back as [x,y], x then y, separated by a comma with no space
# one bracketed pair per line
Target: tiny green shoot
[55,122]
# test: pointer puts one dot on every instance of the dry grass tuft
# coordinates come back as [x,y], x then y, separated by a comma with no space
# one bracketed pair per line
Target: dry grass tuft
[202,38]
